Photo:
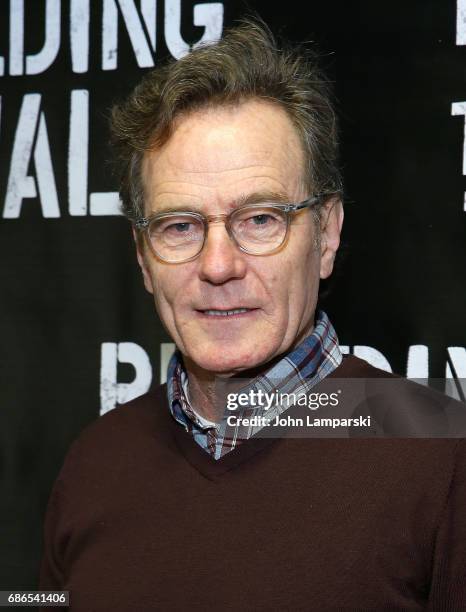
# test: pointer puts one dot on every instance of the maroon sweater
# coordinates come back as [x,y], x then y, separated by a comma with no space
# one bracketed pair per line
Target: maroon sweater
[141,518]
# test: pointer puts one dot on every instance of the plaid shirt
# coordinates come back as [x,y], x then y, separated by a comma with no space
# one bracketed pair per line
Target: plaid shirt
[299,371]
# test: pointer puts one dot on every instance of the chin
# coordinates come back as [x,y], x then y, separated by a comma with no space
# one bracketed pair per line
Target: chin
[225,361]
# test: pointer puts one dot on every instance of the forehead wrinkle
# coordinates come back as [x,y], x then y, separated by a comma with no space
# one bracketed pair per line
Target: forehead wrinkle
[253,197]
[210,187]
[179,175]
[237,158]
[240,167]
[176,169]
[186,187]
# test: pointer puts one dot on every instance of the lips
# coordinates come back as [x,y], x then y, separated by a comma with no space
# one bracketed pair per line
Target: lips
[225,312]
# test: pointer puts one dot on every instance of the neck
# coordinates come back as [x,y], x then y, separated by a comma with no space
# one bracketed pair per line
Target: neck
[203,392]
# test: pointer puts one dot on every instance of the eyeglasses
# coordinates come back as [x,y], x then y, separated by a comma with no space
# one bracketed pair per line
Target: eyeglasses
[256,229]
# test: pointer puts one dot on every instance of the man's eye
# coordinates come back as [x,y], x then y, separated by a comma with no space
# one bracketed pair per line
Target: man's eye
[180,228]
[261,219]
[170,227]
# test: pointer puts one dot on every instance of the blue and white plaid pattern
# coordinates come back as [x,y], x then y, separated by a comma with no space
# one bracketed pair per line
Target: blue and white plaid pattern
[309,363]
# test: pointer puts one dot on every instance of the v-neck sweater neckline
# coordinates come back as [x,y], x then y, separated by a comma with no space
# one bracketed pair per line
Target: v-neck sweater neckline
[212,468]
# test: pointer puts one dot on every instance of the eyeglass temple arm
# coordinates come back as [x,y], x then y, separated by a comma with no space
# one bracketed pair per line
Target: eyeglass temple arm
[307,203]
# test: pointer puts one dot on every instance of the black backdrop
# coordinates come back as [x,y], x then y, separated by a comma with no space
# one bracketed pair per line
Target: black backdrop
[78,333]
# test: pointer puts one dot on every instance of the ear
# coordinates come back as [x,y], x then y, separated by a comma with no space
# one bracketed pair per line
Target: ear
[142,260]
[331,222]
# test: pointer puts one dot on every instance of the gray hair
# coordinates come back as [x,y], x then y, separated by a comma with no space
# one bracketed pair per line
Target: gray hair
[246,63]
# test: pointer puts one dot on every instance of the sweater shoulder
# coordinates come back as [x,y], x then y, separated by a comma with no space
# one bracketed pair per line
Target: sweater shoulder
[395,386]
[355,367]
[140,414]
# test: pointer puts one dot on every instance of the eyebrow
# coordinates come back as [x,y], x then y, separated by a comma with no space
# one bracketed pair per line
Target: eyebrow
[277,197]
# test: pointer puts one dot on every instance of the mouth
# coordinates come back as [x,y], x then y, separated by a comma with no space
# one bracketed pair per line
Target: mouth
[214,313]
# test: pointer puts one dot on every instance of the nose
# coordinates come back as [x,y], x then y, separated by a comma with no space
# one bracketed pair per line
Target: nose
[220,259]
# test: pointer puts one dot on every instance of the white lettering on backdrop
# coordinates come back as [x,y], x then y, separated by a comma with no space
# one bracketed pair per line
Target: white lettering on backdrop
[140,21]
[113,392]
[31,140]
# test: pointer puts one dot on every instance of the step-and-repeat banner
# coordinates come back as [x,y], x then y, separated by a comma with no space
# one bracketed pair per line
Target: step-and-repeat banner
[78,332]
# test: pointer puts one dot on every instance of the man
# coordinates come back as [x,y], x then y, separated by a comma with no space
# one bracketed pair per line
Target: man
[230,177]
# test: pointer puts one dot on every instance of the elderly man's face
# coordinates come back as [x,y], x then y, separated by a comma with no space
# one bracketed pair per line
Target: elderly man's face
[215,158]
